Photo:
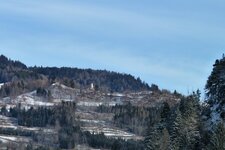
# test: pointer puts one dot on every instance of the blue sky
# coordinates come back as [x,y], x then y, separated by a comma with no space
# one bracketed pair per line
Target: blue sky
[170,43]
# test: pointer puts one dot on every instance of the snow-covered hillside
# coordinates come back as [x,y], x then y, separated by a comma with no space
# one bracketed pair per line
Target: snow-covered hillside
[87,100]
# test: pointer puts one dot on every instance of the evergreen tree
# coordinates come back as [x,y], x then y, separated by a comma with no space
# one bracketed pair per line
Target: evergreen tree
[215,91]
[217,141]
[152,140]
[190,132]
[215,87]
[175,130]
[158,138]
[165,140]
[165,112]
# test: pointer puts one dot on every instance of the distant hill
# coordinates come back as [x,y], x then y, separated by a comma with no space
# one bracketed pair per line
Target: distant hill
[19,73]
[102,79]
[13,70]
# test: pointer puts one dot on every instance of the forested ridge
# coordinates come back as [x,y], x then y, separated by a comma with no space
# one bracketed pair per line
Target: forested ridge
[105,80]
[81,78]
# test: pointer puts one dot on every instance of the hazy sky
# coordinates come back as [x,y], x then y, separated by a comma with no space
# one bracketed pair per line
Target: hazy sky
[171,43]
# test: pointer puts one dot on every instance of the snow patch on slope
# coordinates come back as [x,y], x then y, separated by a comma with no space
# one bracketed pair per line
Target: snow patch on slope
[28,100]
[215,116]
[6,139]
[1,84]
[95,104]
